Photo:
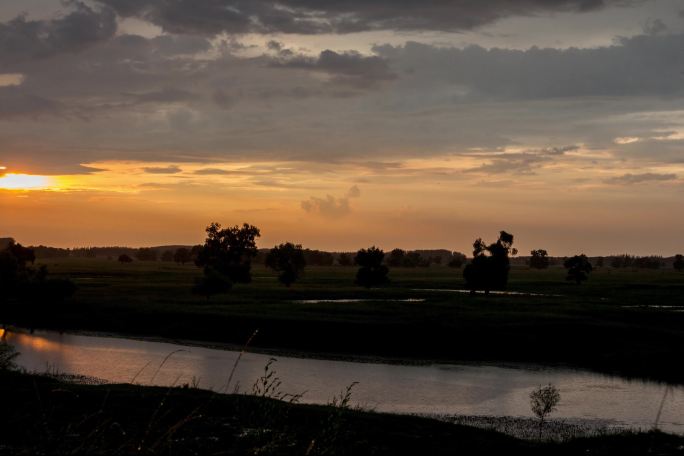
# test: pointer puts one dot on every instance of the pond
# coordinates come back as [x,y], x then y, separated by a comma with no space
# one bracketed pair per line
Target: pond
[441,389]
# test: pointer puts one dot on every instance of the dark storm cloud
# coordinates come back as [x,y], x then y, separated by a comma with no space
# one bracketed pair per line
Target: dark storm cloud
[641,65]
[168,95]
[337,16]
[628,179]
[22,39]
[350,67]
[15,103]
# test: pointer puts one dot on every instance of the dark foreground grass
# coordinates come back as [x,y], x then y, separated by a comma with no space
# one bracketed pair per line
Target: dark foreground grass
[605,324]
[41,415]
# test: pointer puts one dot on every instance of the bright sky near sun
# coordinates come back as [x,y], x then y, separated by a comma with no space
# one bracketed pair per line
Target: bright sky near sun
[339,125]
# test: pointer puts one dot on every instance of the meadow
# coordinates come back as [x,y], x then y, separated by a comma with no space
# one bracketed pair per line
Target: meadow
[622,321]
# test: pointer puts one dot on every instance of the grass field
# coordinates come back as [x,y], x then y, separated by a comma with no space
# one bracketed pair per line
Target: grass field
[601,325]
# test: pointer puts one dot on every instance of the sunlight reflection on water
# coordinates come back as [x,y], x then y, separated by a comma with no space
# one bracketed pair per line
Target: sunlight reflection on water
[425,389]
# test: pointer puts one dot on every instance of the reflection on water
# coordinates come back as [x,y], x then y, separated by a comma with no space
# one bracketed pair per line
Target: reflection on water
[494,292]
[430,389]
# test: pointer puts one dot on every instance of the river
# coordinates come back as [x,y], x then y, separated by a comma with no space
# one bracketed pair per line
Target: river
[442,389]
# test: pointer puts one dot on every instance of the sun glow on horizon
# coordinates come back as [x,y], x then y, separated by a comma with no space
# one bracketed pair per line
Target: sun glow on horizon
[12,181]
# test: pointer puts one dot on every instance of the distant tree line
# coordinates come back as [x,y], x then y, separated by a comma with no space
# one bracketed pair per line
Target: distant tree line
[396,258]
[630,261]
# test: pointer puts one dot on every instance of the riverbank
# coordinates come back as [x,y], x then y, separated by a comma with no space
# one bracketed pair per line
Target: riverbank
[601,325]
[42,415]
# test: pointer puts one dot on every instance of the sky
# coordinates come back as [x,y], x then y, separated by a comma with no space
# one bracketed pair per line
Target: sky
[344,124]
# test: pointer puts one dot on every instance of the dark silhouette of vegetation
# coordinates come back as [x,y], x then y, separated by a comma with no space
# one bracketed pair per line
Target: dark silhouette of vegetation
[211,283]
[20,281]
[543,401]
[345,259]
[396,258]
[631,261]
[182,256]
[318,257]
[146,254]
[7,356]
[678,263]
[399,258]
[578,268]
[226,258]
[167,256]
[288,260]
[123,258]
[490,265]
[372,271]
[539,259]
[457,261]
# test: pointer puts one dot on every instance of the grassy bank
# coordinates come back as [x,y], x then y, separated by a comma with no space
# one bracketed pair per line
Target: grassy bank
[44,416]
[602,325]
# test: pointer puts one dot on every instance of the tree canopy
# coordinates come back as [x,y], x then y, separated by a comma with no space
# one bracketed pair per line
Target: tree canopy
[490,265]
[371,269]
[288,260]
[226,257]
[539,259]
[578,268]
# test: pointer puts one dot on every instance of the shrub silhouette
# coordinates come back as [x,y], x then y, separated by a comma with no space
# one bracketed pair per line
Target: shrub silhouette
[578,268]
[371,271]
[678,262]
[543,401]
[490,265]
[288,260]
[123,258]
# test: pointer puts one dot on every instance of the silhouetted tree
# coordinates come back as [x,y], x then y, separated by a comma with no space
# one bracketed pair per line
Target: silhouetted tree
[578,268]
[22,254]
[182,255]
[543,401]
[371,271]
[457,260]
[123,258]
[288,260]
[396,258]
[167,256]
[345,259]
[539,259]
[599,262]
[678,262]
[226,256]
[146,254]
[18,280]
[490,265]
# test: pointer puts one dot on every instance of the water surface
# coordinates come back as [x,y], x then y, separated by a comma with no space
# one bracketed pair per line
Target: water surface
[425,389]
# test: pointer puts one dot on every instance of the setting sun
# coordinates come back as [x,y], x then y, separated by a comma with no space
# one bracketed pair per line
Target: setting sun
[23,182]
